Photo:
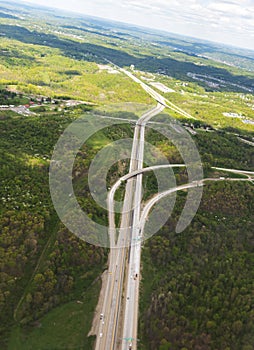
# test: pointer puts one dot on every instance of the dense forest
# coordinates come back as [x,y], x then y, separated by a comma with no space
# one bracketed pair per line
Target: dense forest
[42,264]
[197,286]
[197,289]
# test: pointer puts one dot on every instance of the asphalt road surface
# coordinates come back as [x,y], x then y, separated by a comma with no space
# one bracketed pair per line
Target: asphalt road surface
[119,315]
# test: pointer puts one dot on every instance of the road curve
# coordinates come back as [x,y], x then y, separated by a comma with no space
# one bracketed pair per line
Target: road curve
[131,223]
[235,171]
[108,332]
[159,196]
[111,195]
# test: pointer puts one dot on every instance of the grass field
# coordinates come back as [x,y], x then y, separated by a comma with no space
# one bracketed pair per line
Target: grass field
[65,327]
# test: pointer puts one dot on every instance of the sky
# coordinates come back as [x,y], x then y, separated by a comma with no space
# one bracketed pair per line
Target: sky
[224,21]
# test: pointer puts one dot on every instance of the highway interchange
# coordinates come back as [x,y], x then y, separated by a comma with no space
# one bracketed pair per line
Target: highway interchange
[118,323]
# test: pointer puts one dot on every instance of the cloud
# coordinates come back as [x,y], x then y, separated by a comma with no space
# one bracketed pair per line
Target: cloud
[229,21]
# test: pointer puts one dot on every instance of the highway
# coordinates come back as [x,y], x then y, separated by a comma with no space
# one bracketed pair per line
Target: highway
[115,187]
[108,328]
[131,301]
[193,184]
[130,322]
[108,333]
[130,316]
[235,171]
[118,322]
[155,94]
[133,274]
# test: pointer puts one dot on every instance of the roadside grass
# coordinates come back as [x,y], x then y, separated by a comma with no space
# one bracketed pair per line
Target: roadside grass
[65,327]
[98,141]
